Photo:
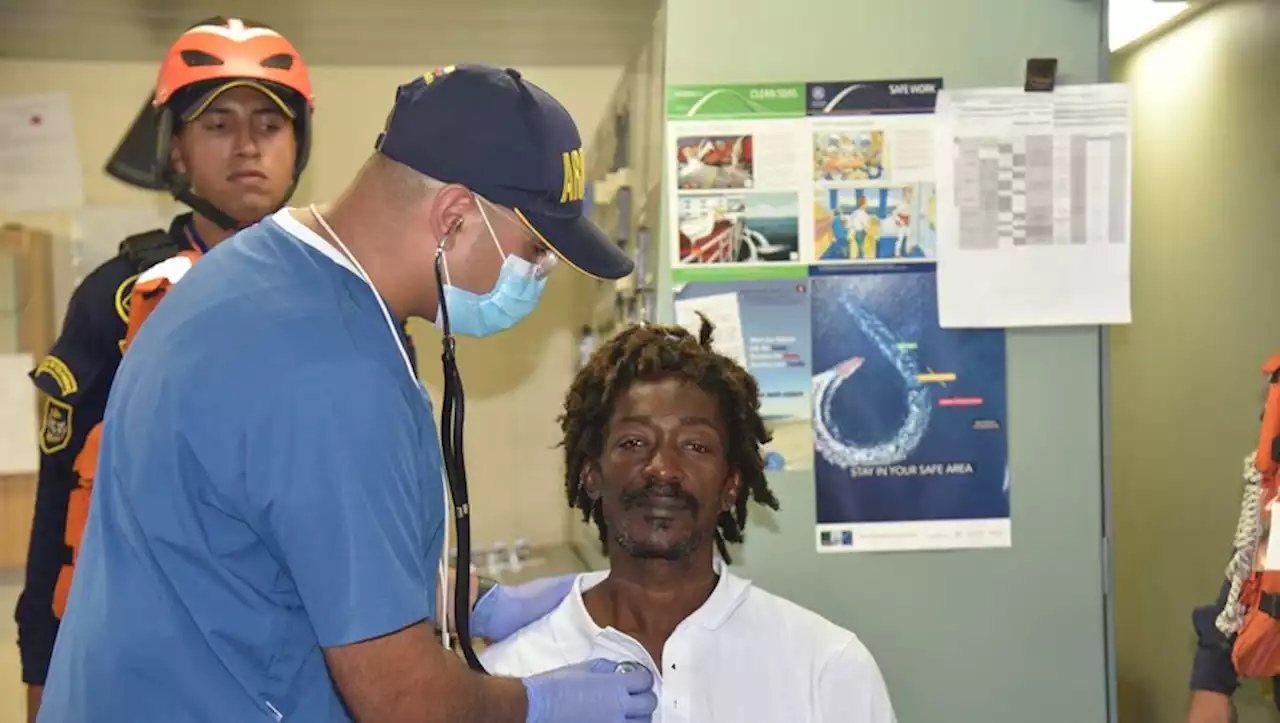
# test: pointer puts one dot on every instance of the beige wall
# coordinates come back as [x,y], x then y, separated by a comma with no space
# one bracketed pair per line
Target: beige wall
[1186,390]
[515,381]
[641,94]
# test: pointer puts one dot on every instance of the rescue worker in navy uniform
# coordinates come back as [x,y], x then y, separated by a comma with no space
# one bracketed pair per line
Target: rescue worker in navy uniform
[226,132]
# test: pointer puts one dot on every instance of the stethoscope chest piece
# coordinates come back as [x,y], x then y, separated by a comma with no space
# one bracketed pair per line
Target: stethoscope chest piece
[627,667]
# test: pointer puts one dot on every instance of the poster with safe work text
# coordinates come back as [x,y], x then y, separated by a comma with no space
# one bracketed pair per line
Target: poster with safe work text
[872,171]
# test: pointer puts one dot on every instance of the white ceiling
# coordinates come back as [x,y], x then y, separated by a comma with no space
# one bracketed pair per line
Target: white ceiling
[343,32]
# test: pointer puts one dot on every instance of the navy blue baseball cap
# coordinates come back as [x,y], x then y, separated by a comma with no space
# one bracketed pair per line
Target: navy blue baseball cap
[509,141]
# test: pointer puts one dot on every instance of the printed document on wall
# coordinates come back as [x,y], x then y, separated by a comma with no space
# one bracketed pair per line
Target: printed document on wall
[737,159]
[872,174]
[39,165]
[763,324]
[909,418]
[17,416]
[722,311]
[1033,196]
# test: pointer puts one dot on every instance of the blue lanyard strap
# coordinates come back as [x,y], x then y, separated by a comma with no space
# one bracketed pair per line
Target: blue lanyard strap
[194,236]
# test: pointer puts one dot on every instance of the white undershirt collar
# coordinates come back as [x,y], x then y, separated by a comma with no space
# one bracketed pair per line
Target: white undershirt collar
[287,221]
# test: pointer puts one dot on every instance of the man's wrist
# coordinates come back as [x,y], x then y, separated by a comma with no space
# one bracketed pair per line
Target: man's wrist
[34,695]
[1210,707]
[508,699]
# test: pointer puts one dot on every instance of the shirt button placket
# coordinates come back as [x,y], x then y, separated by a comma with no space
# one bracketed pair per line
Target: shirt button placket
[674,674]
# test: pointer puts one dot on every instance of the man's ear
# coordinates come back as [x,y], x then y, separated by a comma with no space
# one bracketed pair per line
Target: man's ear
[176,159]
[448,213]
[732,489]
[591,479]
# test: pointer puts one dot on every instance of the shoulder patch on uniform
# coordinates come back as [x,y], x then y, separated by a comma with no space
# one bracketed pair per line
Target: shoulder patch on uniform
[124,297]
[55,430]
[61,373]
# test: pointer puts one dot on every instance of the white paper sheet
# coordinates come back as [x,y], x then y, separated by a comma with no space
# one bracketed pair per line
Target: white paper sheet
[1033,202]
[721,310]
[17,416]
[39,165]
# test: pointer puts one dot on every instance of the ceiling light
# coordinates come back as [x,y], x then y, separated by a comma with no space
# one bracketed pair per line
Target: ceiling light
[1130,20]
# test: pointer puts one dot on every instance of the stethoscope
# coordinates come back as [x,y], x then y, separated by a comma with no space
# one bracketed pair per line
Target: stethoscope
[452,415]
[452,419]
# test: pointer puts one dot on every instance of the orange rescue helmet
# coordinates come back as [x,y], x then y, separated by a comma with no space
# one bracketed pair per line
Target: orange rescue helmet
[229,50]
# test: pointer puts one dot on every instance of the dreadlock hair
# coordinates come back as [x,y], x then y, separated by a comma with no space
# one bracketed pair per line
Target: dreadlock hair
[651,352]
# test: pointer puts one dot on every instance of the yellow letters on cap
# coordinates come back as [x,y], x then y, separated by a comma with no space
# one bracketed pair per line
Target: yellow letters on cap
[575,177]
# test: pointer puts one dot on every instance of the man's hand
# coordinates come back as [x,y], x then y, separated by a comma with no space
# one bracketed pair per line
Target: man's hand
[506,609]
[1209,707]
[34,695]
[593,691]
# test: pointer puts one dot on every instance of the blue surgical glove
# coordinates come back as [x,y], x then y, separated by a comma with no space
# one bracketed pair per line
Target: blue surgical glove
[508,608]
[591,691]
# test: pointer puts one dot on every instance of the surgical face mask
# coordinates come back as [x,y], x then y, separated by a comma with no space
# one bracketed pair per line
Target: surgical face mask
[512,298]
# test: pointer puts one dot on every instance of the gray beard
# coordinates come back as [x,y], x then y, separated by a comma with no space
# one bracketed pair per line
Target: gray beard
[682,550]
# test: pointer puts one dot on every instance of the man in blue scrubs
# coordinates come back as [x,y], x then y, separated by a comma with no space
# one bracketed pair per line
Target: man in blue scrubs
[268,513]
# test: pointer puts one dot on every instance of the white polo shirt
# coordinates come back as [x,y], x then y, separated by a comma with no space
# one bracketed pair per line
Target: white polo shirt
[861,219]
[745,656]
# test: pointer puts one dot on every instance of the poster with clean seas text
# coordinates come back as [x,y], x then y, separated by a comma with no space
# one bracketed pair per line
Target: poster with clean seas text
[908,418]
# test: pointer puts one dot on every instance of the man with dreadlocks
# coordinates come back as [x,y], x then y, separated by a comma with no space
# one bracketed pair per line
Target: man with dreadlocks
[662,440]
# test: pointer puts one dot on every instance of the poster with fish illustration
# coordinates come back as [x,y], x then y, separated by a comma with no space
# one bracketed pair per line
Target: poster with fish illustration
[909,419]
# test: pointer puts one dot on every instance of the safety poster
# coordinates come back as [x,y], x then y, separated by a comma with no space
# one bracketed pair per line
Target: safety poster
[804,225]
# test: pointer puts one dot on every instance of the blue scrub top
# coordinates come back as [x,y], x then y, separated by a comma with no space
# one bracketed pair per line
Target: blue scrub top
[269,484]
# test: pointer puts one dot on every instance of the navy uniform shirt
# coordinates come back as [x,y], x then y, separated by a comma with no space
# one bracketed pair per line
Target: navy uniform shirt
[75,377]
[1212,669]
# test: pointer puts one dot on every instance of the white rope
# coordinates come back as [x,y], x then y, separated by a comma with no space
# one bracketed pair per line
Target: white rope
[1248,532]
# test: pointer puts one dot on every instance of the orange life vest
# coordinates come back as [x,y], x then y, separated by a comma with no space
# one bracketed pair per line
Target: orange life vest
[1256,651]
[148,291]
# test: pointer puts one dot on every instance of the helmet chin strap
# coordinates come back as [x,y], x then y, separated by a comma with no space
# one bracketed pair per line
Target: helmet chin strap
[182,192]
